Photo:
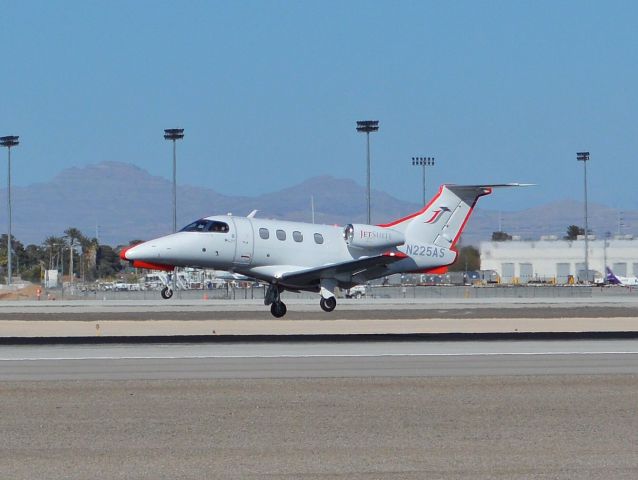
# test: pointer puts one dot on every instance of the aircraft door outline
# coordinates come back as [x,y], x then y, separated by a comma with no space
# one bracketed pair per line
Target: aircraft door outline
[244,241]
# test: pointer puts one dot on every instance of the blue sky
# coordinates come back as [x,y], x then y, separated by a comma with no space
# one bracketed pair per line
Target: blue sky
[269,92]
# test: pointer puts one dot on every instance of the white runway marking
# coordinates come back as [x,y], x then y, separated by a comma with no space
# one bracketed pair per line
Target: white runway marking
[352,350]
[195,357]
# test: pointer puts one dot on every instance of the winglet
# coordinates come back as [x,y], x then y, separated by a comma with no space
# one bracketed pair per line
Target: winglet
[252,214]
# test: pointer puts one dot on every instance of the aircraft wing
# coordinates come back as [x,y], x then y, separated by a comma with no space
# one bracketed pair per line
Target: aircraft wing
[292,275]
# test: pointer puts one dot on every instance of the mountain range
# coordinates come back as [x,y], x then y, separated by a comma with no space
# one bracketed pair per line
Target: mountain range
[119,202]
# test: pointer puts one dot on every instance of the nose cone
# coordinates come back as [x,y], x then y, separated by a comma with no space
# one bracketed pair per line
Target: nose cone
[132,252]
[147,255]
[141,251]
[123,253]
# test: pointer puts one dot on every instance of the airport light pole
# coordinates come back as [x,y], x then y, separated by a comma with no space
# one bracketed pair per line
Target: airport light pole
[367,126]
[174,134]
[423,162]
[584,157]
[605,245]
[9,141]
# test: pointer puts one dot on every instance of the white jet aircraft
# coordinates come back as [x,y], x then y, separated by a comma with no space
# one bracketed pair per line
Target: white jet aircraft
[299,256]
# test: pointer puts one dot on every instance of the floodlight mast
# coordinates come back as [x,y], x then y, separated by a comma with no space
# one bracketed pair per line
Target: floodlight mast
[368,126]
[423,162]
[174,134]
[584,157]
[9,141]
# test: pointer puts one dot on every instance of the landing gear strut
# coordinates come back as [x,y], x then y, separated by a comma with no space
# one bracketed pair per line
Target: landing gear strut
[328,304]
[273,298]
[328,301]
[167,293]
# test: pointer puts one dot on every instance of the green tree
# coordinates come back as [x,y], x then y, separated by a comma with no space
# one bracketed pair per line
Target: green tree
[573,231]
[501,237]
[107,261]
[468,259]
[25,260]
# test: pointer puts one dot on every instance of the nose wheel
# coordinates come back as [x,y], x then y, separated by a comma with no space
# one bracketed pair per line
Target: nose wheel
[328,304]
[278,309]
[167,293]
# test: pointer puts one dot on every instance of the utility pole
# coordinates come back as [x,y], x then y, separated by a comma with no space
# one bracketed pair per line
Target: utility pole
[312,207]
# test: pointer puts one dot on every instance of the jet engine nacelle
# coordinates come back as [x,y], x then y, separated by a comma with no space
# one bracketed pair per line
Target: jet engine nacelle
[371,236]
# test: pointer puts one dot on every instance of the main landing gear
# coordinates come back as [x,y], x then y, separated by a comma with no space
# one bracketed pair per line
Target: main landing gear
[328,301]
[278,309]
[328,304]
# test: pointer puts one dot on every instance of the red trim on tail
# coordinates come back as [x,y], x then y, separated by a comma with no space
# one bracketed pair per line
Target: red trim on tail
[423,210]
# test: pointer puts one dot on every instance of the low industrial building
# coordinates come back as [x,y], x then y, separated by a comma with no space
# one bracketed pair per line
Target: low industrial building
[553,260]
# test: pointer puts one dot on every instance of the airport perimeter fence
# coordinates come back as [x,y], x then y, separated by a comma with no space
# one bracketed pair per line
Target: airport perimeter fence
[371,292]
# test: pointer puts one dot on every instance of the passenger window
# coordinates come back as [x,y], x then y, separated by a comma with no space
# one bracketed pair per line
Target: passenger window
[263,233]
[318,238]
[297,236]
[281,235]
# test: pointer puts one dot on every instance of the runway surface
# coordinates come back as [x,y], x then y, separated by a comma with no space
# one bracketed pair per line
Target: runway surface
[390,410]
[367,316]
[325,359]
[313,312]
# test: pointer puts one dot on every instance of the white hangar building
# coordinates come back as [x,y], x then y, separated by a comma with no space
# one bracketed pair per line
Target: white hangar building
[552,260]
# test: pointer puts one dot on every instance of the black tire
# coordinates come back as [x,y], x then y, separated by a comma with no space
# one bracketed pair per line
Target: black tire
[167,293]
[328,304]
[278,309]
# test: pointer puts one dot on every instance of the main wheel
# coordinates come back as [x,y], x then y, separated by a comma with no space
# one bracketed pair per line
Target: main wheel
[278,309]
[328,304]
[167,293]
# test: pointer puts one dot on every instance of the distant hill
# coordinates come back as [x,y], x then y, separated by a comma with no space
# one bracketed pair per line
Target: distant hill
[120,202]
[551,219]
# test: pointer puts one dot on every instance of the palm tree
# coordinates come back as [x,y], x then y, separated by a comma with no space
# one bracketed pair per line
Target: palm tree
[89,256]
[71,235]
[53,245]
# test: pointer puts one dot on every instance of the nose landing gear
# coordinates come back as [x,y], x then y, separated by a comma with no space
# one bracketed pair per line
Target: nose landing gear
[273,298]
[166,293]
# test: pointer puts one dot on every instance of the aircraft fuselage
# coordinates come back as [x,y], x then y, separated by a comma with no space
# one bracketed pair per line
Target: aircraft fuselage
[305,256]
[260,247]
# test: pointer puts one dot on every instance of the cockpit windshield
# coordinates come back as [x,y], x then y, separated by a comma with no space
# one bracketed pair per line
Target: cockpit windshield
[206,226]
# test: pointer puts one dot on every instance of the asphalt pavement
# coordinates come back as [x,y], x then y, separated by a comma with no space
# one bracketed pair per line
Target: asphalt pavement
[324,410]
